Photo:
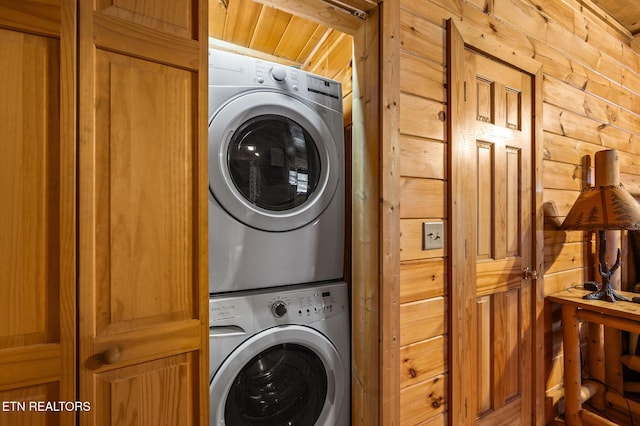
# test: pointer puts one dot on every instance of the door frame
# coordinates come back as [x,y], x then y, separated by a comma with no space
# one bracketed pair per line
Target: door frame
[458,143]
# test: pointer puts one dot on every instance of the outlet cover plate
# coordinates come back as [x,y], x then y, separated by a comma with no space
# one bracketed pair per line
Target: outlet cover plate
[432,235]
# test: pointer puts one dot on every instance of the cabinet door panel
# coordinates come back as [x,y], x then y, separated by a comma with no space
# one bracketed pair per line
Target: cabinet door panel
[23,403]
[122,394]
[143,208]
[175,17]
[29,71]
[144,193]
[37,212]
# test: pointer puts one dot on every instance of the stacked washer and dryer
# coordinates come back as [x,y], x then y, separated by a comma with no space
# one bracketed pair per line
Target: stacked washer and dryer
[279,312]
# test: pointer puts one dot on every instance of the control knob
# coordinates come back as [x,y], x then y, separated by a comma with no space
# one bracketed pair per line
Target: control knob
[279,73]
[279,309]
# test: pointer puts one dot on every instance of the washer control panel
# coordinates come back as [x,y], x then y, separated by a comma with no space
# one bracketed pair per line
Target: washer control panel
[317,303]
[279,309]
[289,305]
[302,306]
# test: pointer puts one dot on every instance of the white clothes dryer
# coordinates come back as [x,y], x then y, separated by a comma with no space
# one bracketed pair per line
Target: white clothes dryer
[276,175]
[281,357]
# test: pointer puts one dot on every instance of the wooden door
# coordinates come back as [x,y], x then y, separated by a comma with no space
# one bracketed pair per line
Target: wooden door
[493,298]
[501,99]
[143,291]
[37,210]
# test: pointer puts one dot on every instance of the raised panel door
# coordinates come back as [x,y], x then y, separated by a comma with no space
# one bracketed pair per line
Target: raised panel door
[143,185]
[37,211]
[492,301]
[504,235]
[499,116]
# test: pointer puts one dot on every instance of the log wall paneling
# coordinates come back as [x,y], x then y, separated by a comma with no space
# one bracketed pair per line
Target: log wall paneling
[587,99]
[422,320]
[422,279]
[422,158]
[423,276]
[426,402]
[423,360]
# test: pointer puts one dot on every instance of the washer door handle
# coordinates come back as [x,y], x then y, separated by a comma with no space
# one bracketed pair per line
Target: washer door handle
[331,386]
[225,330]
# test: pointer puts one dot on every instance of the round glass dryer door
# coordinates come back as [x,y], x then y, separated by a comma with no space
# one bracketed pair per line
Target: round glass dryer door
[288,375]
[273,162]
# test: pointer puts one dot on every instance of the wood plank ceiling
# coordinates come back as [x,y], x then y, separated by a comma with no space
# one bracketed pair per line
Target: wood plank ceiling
[273,34]
[259,30]
[626,13]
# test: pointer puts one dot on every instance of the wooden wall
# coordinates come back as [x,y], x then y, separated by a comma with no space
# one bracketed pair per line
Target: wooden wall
[333,60]
[590,91]
[423,289]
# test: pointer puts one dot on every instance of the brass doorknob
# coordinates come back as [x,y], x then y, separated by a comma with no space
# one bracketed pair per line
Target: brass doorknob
[529,273]
[111,355]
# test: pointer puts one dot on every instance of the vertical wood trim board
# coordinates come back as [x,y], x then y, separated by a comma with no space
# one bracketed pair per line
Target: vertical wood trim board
[68,199]
[366,268]
[462,404]
[390,215]
[202,214]
[538,251]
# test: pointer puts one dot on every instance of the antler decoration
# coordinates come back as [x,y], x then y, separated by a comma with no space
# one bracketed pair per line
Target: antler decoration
[606,292]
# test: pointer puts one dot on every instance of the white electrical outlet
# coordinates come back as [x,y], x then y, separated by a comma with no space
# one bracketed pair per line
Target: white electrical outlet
[432,235]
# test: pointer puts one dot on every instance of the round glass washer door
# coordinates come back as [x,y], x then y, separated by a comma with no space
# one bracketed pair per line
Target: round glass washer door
[285,375]
[273,162]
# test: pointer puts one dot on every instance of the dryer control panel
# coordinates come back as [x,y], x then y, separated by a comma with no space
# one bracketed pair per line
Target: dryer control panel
[269,74]
[228,69]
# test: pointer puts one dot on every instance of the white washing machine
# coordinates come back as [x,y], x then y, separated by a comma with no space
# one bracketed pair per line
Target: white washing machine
[276,175]
[281,357]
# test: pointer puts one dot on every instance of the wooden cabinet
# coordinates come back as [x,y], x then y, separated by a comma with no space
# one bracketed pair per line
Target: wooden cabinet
[103,241]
